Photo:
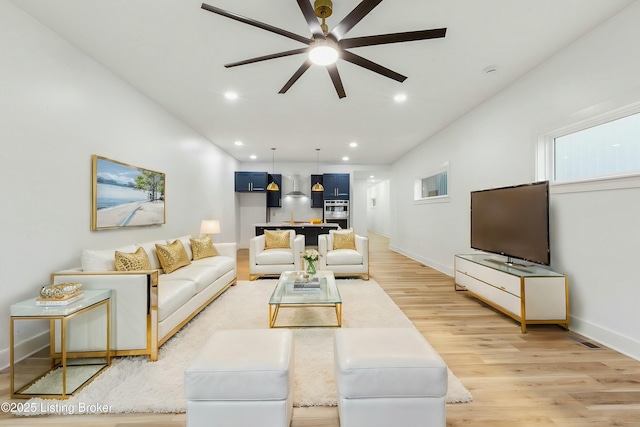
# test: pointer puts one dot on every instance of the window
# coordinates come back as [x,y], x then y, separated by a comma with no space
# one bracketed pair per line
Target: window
[435,185]
[432,186]
[608,149]
[598,154]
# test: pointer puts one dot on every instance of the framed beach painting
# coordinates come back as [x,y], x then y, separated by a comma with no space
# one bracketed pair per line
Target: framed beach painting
[125,196]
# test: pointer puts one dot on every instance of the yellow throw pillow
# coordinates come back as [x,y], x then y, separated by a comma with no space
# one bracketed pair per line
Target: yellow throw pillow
[344,240]
[172,256]
[277,239]
[203,248]
[139,260]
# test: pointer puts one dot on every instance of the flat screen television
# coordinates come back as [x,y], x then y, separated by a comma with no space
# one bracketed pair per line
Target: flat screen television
[512,221]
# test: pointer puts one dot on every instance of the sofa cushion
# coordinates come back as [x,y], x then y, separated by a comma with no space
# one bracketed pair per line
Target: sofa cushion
[344,257]
[202,275]
[203,248]
[102,259]
[275,257]
[221,262]
[150,249]
[172,256]
[136,261]
[173,294]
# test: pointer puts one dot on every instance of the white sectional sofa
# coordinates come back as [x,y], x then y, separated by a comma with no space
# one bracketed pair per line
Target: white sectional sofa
[147,307]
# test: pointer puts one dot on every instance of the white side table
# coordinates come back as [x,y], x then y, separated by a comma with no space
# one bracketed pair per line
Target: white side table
[65,372]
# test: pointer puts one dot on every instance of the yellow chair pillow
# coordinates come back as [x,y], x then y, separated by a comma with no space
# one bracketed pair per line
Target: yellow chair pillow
[203,248]
[139,260]
[277,239]
[172,256]
[344,240]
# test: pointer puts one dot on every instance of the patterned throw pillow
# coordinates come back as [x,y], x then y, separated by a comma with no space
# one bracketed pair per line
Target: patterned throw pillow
[132,261]
[344,240]
[203,248]
[172,256]
[276,239]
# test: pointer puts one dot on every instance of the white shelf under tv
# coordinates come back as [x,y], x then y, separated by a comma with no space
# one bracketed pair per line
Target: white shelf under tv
[530,294]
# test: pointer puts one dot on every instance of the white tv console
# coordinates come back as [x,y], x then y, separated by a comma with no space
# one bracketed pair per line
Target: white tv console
[529,294]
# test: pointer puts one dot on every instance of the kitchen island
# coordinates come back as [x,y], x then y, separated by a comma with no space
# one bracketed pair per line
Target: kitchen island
[308,230]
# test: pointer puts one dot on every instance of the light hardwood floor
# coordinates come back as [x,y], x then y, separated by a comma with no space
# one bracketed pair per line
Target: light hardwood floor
[546,377]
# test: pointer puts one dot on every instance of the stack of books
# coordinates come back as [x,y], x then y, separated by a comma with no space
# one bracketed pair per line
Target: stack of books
[313,283]
[55,302]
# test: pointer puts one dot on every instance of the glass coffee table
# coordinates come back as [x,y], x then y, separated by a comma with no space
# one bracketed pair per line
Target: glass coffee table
[295,289]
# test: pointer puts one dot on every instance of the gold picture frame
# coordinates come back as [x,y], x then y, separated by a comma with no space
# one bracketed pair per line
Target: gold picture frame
[123,195]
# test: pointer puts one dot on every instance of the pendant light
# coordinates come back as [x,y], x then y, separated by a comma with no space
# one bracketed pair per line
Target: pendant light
[317,187]
[272,185]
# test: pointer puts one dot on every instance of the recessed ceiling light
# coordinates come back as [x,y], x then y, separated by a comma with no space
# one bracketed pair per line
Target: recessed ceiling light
[253,157]
[353,144]
[231,96]
[371,176]
[401,97]
[238,143]
[345,158]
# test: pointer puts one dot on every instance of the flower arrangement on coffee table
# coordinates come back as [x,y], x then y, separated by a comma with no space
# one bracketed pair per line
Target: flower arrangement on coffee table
[311,256]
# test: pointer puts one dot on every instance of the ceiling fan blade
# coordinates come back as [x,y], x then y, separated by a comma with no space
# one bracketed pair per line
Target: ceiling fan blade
[257,24]
[311,18]
[393,38]
[304,67]
[370,65]
[337,81]
[355,16]
[267,57]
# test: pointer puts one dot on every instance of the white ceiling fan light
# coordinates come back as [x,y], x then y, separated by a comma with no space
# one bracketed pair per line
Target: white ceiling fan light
[323,52]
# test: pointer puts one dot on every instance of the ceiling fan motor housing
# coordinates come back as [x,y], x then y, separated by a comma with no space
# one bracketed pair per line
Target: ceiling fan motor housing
[323,8]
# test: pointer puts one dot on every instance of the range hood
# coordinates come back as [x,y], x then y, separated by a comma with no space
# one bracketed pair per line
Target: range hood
[296,188]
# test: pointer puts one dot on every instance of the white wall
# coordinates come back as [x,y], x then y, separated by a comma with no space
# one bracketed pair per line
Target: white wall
[57,108]
[378,218]
[594,235]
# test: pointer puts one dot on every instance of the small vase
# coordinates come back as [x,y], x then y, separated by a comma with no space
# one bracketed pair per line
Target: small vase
[311,268]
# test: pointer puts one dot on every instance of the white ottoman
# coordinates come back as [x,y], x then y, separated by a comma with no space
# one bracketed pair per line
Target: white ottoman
[389,377]
[241,378]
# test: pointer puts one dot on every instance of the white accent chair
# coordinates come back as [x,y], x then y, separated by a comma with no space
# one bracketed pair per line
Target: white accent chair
[272,262]
[344,262]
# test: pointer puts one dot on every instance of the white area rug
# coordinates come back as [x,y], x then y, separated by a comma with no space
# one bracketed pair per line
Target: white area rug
[133,384]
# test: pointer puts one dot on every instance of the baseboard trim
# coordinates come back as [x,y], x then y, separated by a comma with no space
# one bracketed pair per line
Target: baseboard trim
[24,349]
[611,339]
[446,269]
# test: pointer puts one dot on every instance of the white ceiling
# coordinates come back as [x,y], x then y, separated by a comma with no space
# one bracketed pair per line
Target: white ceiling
[173,52]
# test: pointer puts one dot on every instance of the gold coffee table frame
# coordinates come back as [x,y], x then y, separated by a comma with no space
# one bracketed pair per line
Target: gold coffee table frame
[284,296]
